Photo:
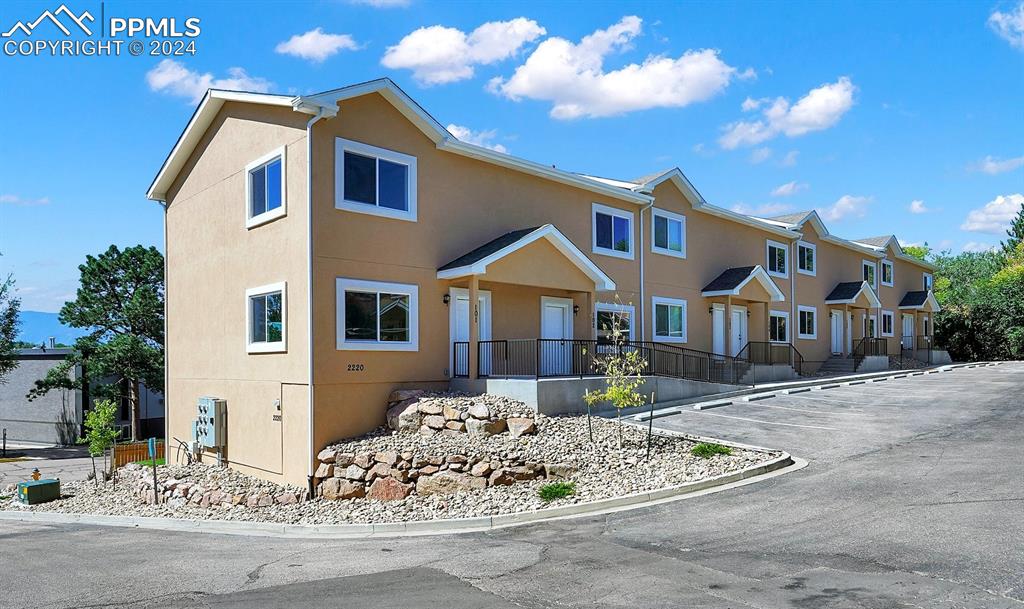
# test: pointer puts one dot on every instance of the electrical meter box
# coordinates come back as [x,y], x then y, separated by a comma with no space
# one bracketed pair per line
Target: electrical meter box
[209,430]
[38,491]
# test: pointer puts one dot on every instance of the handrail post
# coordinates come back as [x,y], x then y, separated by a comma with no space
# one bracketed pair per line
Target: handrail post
[536,366]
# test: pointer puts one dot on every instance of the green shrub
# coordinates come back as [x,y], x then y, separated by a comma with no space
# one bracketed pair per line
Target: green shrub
[706,450]
[557,490]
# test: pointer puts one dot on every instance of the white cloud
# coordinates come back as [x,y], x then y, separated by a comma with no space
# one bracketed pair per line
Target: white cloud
[573,78]
[917,207]
[480,138]
[438,55]
[995,217]
[789,189]
[790,159]
[172,77]
[750,104]
[977,246]
[764,210]
[382,3]
[760,155]
[820,109]
[848,206]
[7,199]
[316,46]
[993,166]
[1009,26]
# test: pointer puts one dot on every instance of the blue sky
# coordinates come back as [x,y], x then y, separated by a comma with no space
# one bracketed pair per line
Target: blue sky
[855,109]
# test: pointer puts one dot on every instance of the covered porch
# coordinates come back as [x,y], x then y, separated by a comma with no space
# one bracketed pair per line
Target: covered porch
[917,315]
[854,310]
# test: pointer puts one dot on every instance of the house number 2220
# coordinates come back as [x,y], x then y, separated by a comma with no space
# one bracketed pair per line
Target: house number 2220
[356,367]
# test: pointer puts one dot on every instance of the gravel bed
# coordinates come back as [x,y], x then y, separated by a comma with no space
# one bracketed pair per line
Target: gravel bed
[603,471]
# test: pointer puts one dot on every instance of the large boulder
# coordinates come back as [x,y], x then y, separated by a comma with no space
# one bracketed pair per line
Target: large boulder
[480,428]
[448,482]
[326,455]
[404,416]
[324,470]
[478,410]
[559,470]
[388,489]
[336,488]
[401,395]
[520,426]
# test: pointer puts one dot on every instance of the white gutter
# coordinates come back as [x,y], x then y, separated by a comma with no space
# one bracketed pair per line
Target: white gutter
[643,302]
[309,287]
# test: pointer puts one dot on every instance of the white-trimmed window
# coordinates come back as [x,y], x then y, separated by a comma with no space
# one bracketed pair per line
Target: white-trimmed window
[778,258]
[888,321]
[372,180]
[869,271]
[377,316]
[265,191]
[871,325]
[887,273]
[608,316]
[778,326]
[265,315]
[806,258]
[668,232]
[613,231]
[806,322]
[926,281]
[669,319]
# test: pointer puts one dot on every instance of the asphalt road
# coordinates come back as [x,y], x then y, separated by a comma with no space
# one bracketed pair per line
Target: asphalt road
[913,497]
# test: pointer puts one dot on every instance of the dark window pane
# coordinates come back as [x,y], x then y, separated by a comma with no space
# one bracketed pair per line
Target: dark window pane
[603,228]
[675,236]
[275,319]
[661,232]
[360,178]
[258,191]
[393,185]
[675,321]
[274,185]
[621,234]
[661,324]
[360,316]
[607,321]
[394,317]
[259,319]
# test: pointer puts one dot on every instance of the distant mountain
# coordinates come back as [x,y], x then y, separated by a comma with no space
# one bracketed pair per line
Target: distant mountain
[37,327]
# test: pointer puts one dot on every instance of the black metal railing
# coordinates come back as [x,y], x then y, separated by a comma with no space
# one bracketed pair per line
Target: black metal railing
[925,345]
[869,346]
[767,353]
[551,357]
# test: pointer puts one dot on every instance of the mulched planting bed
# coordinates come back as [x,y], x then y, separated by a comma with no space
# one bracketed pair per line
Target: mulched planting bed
[602,471]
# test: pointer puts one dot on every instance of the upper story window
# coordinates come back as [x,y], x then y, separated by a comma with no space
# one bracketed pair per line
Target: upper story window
[669,232]
[265,314]
[377,316]
[807,322]
[869,273]
[265,188]
[778,326]
[372,180]
[807,258]
[887,273]
[613,231]
[669,320]
[926,281]
[778,259]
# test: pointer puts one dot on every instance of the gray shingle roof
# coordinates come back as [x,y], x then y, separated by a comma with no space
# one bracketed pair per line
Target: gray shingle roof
[792,218]
[729,279]
[488,248]
[875,241]
[651,176]
[914,299]
[844,291]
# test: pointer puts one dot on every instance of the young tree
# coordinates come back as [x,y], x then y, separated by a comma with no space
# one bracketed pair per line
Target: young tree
[10,306]
[623,366]
[100,431]
[120,302]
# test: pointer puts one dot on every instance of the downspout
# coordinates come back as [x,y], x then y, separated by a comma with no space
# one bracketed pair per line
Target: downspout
[309,295]
[167,402]
[643,301]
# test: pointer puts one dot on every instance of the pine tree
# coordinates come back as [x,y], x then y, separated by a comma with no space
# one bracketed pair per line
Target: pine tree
[1015,233]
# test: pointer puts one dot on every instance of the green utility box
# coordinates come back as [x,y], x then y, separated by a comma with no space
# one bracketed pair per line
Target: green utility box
[38,491]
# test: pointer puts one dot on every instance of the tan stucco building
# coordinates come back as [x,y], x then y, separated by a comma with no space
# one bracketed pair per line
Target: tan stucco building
[323,251]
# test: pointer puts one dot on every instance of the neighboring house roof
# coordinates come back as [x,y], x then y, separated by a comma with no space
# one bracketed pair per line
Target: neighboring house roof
[733,280]
[476,261]
[881,244]
[327,102]
[920,299]
[847,292]
[48,353]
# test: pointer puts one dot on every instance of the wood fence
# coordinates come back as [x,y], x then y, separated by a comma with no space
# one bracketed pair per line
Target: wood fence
[135,451]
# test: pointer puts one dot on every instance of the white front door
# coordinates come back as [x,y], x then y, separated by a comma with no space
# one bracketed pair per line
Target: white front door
[837,332]
[556,330]
[458,328]
[738,329]
[718,329]
[908,331]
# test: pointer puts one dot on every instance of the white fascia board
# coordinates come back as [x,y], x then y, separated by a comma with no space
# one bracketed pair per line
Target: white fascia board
[601,281]
[872,297]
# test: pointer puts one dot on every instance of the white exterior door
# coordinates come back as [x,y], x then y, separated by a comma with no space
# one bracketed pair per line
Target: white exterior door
[738,329]
[718,329]
[556,327]
[458,327]
[908,331]
[837,332]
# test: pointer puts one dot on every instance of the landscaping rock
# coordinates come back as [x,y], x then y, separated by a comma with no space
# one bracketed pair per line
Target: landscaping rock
[482,469]
[354,472]
[401,395]
[434,421]
[336,488]
[326,455]
[447,482]
[286,499]
[430,408]
[404,416]
[389,489]
[559,470]
[479,411]
[389,457]
[363,460]
[478,427]
[519,426]
[324,470]
[343,460]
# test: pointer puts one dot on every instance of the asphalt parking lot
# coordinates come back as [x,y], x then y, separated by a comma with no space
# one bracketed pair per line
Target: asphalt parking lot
[913,497]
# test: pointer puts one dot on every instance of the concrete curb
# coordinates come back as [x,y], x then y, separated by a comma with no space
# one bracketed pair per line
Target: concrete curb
[775,467]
